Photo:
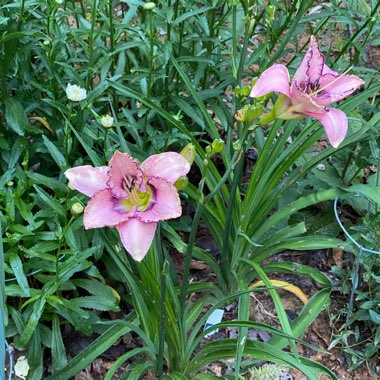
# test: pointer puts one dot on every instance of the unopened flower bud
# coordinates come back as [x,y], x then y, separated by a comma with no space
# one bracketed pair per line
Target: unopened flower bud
[217,145]
[46,42]
[188,153]
[106,121]
[10,183]
[70,186]
[149,6]
[181,183]
[76,209]
[240,115]
[249,113]
[271,10]
[236,145]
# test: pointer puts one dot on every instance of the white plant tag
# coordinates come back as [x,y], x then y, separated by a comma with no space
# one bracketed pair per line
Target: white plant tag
[215,317]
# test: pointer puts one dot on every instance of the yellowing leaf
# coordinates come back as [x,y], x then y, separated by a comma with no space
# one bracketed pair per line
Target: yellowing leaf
[43,121]
[286,286]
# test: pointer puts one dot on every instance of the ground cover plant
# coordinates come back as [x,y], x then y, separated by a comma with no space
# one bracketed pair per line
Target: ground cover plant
[129,127]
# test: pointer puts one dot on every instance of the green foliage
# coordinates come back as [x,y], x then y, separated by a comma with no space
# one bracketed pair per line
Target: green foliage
[166,74]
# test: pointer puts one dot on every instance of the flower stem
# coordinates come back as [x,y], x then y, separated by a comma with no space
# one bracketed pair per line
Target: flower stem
[268,118]
[162,322]
[151,67]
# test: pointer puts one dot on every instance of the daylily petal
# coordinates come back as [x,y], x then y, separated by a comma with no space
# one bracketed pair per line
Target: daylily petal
[87,179]
[312,65]
[335,123]
[327,70]
[169,166]
[166,203]
[301,102]
[102,210]
[137,237]
[273,79]
[124,170]
[336,87]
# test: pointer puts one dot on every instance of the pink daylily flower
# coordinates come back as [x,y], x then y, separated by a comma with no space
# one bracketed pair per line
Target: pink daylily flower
[131,197]
[313,87]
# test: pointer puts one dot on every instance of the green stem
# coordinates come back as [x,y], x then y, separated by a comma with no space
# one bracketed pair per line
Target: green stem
[268,118]
[234,40]
[58,256]
[209,47]
[167,68]
[105,144]
[90,45]
[225,259]
[198,212]
[112,48]
[357,33]
[348,161]
[151,67]
[162,322]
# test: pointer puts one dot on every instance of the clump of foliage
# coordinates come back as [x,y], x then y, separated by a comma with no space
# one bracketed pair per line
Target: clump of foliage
[82,80]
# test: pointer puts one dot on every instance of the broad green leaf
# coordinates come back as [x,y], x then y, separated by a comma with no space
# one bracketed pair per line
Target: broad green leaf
[372,193]
[375,317]
[96,348]
[18,271]
[119,362]
[192,13]
[55,153]
[96,303]
[57,348]
[49,201]
[33,320]
[15,116]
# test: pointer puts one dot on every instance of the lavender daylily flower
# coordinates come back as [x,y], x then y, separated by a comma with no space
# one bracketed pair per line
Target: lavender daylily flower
[131,197]
[313,87]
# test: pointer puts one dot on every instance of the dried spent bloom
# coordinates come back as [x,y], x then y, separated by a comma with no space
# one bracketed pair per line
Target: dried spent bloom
[131,197]
[313,87]
[75,93]
[106,121]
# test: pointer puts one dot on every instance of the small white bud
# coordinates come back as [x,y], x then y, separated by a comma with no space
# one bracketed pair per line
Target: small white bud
[107,121]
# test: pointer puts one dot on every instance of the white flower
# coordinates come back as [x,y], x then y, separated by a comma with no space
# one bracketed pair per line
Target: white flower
[75,93]
[107,121]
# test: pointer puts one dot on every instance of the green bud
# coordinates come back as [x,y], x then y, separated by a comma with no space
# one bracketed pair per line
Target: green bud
[236,145]
[208,149]
[245,91]
[271,10]
[181,183]
[70,186]
[149,6]
[217,145]
[188,153]
[10,183]
[249,113]
[76,209]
